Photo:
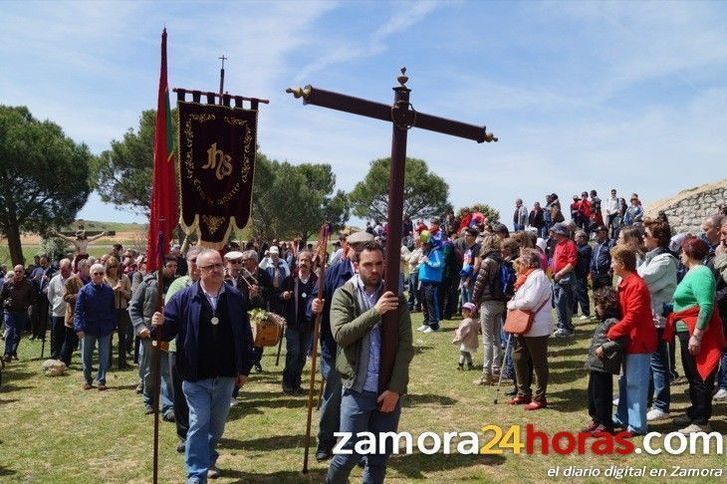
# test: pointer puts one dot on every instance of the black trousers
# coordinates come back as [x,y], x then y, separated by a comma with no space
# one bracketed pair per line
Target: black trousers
[57,336]
[181,410]
[700,391]
[70,342]
[122,328]
[600,395]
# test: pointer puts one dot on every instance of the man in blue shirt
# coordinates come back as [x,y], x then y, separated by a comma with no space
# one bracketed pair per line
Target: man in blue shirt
[214,351]
[366,405]
[94,319]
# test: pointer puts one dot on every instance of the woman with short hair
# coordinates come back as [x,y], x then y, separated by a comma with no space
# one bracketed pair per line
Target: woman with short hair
[700,332]
[531,348]
[636,324]
[659,271]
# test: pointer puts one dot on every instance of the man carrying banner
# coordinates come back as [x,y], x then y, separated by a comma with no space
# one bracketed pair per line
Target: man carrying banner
[214,351]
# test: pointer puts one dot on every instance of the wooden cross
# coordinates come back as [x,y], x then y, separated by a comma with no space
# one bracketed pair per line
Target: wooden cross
[222,75]
[403,117]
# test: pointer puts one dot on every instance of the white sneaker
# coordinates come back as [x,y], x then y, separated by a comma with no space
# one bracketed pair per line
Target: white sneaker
[428,330]
[422,327]
[720,395]
[656,414]
[584,318]
[615,402]
[693,428]
[233,402]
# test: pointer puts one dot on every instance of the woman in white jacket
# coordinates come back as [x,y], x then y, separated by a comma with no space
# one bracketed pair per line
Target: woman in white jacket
[531,348]
[659,271]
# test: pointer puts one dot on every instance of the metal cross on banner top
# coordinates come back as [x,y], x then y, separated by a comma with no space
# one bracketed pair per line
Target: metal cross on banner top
[403,117]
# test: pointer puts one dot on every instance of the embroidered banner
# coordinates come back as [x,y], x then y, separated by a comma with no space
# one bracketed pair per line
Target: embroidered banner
[217,162]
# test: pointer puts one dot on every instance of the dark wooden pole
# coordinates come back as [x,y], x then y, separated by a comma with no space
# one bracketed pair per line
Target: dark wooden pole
[389,328]
[323,247]
[156,351]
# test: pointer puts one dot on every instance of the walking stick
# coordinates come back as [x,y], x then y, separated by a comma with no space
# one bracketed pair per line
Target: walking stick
[277,357]
[314,350]
[294,273]
[320,393]
[502,367]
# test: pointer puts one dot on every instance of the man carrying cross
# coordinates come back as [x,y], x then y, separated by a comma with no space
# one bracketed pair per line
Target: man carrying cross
[356,312]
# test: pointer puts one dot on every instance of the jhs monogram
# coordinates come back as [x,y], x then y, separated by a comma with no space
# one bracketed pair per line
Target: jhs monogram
[220,162]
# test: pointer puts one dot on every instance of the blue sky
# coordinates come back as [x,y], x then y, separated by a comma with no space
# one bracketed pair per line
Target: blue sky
[582,95]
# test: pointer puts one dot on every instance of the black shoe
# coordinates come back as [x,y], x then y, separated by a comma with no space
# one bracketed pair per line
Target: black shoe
[180,447]
[168,416]
[324,453]
[288,391]
[148,409]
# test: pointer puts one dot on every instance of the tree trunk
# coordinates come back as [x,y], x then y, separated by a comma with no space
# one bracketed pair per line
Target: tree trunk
[16,250]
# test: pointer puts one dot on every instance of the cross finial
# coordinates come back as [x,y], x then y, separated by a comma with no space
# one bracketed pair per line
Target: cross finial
[223,59]
[402,78]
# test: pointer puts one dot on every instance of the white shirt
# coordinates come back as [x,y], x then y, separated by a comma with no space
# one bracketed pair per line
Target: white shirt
[56,291]
[612,206]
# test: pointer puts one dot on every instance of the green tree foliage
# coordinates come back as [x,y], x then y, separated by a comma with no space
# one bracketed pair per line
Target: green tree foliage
[425,193]
[123,175]
[43,177]
[294,200]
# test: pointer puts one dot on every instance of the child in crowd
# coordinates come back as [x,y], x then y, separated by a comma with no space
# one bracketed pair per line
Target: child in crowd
[466,335]
[604,361]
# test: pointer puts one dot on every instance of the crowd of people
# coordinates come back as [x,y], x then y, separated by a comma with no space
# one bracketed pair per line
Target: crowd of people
[650,288]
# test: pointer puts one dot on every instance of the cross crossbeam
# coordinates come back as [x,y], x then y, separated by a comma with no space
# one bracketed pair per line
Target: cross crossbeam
[403,117]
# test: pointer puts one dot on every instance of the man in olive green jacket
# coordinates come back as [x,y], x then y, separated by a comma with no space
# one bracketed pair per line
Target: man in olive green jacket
[356,311]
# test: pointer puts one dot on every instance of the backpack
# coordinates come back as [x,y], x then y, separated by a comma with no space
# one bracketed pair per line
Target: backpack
[502,286]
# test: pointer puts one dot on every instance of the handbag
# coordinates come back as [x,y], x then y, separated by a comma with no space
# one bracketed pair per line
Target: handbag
[519,321]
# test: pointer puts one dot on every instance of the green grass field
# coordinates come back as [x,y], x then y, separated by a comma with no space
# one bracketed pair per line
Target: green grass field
[51,430]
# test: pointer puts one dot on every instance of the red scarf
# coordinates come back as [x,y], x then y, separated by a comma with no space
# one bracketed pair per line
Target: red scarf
[713,339]
[522,277]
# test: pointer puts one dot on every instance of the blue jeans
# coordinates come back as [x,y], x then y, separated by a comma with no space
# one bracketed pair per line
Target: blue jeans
[209,404]
[360,413]
[146,357]
[518,227]
[330,405]
[430,303]
[104,356]
[563,303]
[633,394]
[297,342]
[659,386]
[466,291]
[15,324]
[722,375]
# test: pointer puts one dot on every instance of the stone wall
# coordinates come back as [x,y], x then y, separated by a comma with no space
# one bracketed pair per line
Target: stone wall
[687,209]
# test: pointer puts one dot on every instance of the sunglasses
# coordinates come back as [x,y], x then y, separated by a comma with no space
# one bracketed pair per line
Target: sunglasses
[236,261]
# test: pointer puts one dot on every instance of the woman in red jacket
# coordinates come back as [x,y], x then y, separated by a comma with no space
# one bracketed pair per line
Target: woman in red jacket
[636,324]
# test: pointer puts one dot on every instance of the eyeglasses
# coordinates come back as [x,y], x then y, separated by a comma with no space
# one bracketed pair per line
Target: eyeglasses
[236,261]
[98,273]
[211,267]
[193,261]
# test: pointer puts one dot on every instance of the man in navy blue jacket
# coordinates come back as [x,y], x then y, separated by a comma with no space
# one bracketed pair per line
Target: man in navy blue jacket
[94,319]
[214,351]
[336,276]
[601,275]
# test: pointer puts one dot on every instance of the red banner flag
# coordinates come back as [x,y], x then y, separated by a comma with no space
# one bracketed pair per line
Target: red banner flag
[164,212]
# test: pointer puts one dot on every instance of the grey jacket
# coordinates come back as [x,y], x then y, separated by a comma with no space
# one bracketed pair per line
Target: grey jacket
[659,272]
[613,350]
[143,303]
